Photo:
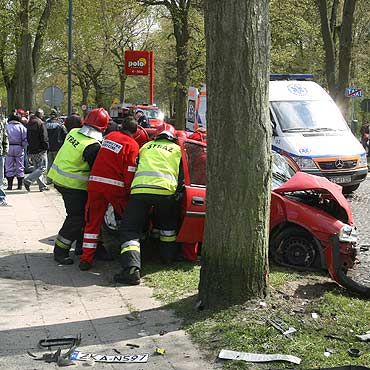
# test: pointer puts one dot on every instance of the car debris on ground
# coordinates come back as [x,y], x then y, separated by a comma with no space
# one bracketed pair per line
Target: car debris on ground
[257,357]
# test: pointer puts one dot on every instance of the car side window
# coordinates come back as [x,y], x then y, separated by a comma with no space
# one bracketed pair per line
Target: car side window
[196,155]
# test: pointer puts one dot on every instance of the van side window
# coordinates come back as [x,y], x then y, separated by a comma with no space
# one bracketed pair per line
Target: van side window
[196,155]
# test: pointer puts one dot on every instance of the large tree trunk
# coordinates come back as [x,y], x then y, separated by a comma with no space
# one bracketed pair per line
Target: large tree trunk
[235,249]
[20,88]
[20,84]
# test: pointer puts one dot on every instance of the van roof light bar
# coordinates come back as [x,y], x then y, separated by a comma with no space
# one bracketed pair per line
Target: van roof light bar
[287,76]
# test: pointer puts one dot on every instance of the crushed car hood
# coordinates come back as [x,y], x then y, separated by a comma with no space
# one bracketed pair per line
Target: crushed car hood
[302,181]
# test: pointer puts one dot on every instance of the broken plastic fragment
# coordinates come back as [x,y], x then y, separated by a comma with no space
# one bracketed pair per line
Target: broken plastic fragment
[364,337]
[354,352]
[257,357]
[160,351]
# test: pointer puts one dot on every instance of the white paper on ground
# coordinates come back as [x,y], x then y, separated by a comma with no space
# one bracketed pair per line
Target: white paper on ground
[257,357]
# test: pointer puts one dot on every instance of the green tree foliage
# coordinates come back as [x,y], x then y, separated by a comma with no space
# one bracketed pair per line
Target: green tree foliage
[22,35]
[296,42]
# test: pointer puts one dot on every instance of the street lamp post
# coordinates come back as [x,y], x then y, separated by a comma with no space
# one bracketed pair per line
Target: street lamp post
[69,57]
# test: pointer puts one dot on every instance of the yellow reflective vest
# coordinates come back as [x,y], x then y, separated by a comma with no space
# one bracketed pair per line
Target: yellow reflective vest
[158,168]
[69,168]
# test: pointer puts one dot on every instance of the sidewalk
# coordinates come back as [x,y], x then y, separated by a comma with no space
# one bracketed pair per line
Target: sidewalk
[40,299]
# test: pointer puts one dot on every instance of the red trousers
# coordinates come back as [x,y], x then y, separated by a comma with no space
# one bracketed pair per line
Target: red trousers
[96,206]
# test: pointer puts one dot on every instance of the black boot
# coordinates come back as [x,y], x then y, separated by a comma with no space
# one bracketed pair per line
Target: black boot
[10,183]
[129,276]
[62,256]
[20,183]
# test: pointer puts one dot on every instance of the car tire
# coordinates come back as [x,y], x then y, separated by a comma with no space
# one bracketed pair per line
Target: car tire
[296,248]
[350,189]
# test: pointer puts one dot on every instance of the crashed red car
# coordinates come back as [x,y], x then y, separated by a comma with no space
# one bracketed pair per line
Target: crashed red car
[311,222]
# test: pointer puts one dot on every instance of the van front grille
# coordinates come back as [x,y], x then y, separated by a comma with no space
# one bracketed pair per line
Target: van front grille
[338,164]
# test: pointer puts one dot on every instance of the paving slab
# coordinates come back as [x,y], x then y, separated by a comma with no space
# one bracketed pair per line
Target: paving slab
[40,299]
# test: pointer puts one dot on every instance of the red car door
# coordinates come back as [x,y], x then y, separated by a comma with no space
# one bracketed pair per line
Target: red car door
[194,202]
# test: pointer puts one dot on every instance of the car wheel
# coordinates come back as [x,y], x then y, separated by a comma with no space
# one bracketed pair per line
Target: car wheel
[294,247]
[350,189]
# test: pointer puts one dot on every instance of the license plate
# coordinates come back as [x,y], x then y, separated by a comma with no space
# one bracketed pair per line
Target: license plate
[80,356]
[340,179]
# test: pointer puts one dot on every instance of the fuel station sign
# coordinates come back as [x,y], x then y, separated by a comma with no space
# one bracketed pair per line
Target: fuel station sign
[137,63]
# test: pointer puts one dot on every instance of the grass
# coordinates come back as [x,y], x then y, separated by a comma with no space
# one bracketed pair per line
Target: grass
[294,296]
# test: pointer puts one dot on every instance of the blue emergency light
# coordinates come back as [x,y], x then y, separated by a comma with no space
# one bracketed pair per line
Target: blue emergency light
[287,76]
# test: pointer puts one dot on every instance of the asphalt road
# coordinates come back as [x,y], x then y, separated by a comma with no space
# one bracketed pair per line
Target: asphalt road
[360,203]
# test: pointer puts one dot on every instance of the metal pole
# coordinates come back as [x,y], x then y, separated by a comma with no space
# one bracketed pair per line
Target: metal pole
[70,57]
[151,75]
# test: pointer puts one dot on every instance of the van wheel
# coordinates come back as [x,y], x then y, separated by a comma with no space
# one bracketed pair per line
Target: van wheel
[350,189]
[294,247]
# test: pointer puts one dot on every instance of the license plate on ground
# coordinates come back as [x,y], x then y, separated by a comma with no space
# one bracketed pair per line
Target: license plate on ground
[80,356]
[340,179]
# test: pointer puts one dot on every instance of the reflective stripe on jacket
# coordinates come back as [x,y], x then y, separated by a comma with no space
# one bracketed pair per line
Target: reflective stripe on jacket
[69,168]
[158,168]
[115,165]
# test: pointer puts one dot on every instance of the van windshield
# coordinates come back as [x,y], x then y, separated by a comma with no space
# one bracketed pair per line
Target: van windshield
[309,115]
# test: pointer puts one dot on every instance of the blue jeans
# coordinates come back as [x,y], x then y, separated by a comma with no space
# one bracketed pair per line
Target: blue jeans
[2,194]
[40,162]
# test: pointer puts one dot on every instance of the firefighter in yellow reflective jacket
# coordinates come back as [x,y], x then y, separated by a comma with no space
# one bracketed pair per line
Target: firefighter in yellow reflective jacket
[70,173]
[156,183]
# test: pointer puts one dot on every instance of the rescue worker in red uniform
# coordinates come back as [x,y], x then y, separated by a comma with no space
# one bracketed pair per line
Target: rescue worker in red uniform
[156,184]
[109,182]
[70,173]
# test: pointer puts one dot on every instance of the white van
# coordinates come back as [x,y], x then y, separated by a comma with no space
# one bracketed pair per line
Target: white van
[309,128]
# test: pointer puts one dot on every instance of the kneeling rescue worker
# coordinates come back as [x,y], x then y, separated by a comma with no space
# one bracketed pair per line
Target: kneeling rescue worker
[109,182]
[70,173]
[158,178]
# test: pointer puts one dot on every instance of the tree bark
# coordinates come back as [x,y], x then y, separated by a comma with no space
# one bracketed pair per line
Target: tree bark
[327,31]
[337,62]
[345,51]
[20,85]
[181,30]
[179,13]
[235,248]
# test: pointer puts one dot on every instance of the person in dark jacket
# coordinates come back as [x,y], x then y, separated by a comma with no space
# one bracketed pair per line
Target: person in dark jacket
[38,144]
[73,121]
[142,119]
[56,135]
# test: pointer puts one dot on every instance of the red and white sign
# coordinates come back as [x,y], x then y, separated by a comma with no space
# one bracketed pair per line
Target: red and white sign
[137,63]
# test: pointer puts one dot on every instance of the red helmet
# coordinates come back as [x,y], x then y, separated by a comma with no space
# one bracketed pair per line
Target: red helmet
[20,112]
[98,118]
[166,131]
[141,136]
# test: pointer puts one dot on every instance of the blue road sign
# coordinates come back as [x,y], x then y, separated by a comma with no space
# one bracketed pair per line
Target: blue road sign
[353,92]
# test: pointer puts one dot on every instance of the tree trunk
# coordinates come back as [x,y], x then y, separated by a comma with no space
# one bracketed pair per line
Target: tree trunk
[20,83]
[345,50]
[329,45]
[181,30]
[341,64]
[122,83]
[235,249]
[21,87]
